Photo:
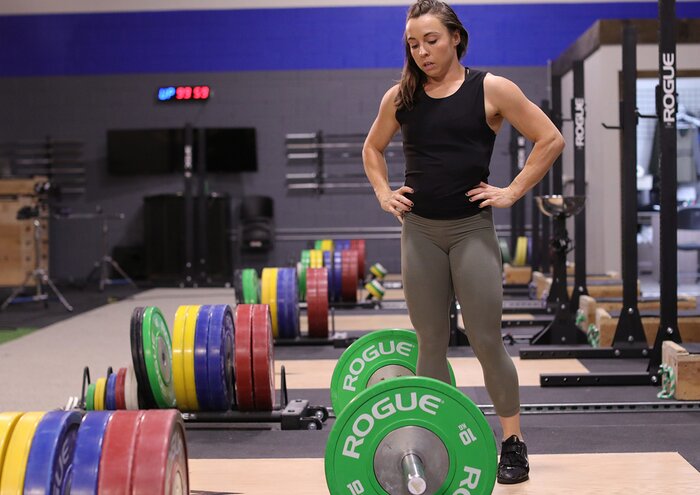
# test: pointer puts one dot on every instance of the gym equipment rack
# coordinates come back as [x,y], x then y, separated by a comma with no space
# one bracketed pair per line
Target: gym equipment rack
[629,340]
[296,414]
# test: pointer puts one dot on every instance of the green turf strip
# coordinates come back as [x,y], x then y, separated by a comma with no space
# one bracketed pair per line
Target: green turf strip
[11,334]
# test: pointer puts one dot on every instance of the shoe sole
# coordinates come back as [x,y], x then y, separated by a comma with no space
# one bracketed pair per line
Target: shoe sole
[512,482]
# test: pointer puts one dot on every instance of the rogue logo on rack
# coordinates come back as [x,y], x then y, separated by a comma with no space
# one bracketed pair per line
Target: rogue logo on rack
[522,156]
[669,88]
[579,123]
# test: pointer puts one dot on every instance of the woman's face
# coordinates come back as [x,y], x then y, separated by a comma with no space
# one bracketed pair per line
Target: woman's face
[432,46]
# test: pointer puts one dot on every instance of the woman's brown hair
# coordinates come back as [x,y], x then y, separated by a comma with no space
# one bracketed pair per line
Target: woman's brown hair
[412,75]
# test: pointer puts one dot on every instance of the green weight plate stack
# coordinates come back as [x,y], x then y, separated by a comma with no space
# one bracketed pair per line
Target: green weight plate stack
[251,286]
[302,266]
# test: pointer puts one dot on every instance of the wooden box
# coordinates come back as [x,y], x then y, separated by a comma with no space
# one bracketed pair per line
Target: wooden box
[689,328]
[588,305]
[516,274]
[686,370]
[17,254]
[606,287]
[541,284]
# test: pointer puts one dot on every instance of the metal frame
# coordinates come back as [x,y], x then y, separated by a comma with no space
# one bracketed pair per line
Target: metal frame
[322,152]
[188,169]
[60,161]
[41,278]
[578,115]
[557,119]
[592,408]
[629,340]
[544,188]
[517,148]
[562,329]
[196,202]
[629,336]
[558,291]
[630,331]
[601,407]
[201,267]
[666,107]
[103,264]
[537,248]
[296,414]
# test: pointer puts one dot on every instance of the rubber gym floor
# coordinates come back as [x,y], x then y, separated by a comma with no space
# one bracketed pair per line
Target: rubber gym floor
[583,453]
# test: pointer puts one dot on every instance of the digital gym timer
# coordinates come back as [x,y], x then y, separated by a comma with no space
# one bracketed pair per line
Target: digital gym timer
[184,93]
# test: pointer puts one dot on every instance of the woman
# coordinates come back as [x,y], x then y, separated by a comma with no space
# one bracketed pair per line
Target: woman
[449,116]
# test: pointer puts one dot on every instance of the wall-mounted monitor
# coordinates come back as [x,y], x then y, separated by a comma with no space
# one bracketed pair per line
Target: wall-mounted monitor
[231,149]
[161,151]
[144,151]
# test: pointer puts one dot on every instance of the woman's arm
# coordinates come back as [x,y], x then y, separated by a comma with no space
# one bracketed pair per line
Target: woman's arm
[505,100]
[380,134]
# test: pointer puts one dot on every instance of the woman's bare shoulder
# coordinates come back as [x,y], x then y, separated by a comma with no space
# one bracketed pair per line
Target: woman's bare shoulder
[392,92]
[499,85]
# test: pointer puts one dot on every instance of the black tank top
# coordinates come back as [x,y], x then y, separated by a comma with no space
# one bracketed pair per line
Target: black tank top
[448,145]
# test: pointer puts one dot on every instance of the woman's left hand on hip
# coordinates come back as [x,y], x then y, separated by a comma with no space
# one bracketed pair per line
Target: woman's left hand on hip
[492,196]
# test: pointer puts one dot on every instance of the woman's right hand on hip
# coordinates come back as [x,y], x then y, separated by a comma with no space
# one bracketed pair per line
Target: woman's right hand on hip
[396,203]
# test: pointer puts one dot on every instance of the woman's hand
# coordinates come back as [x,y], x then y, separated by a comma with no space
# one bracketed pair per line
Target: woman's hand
[396,203]
[492,196]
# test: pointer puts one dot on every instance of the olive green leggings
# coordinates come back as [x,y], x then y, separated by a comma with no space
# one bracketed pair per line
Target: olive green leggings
[444,258]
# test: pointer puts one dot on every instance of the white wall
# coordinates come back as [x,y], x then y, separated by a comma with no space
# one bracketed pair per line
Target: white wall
[603,151]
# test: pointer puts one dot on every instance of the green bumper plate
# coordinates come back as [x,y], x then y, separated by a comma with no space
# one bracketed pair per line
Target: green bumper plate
[158,352]
[302,266]
[505,251]
[251,286]
[417,415]
[374,357]
[90,398]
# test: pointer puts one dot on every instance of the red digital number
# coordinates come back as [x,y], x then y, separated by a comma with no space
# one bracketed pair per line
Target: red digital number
[184,93]
[192,93]
[201,92]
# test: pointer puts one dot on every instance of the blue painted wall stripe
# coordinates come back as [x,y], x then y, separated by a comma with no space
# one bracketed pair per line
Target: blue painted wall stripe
[31,7]
[286,39]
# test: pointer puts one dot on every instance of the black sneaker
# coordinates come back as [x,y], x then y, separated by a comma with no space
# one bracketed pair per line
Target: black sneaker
[514,466]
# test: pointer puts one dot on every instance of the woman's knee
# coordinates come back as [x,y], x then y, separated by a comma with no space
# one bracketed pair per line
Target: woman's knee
[433,342]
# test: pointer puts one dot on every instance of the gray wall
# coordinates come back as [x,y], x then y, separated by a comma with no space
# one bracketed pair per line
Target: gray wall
[83,108]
